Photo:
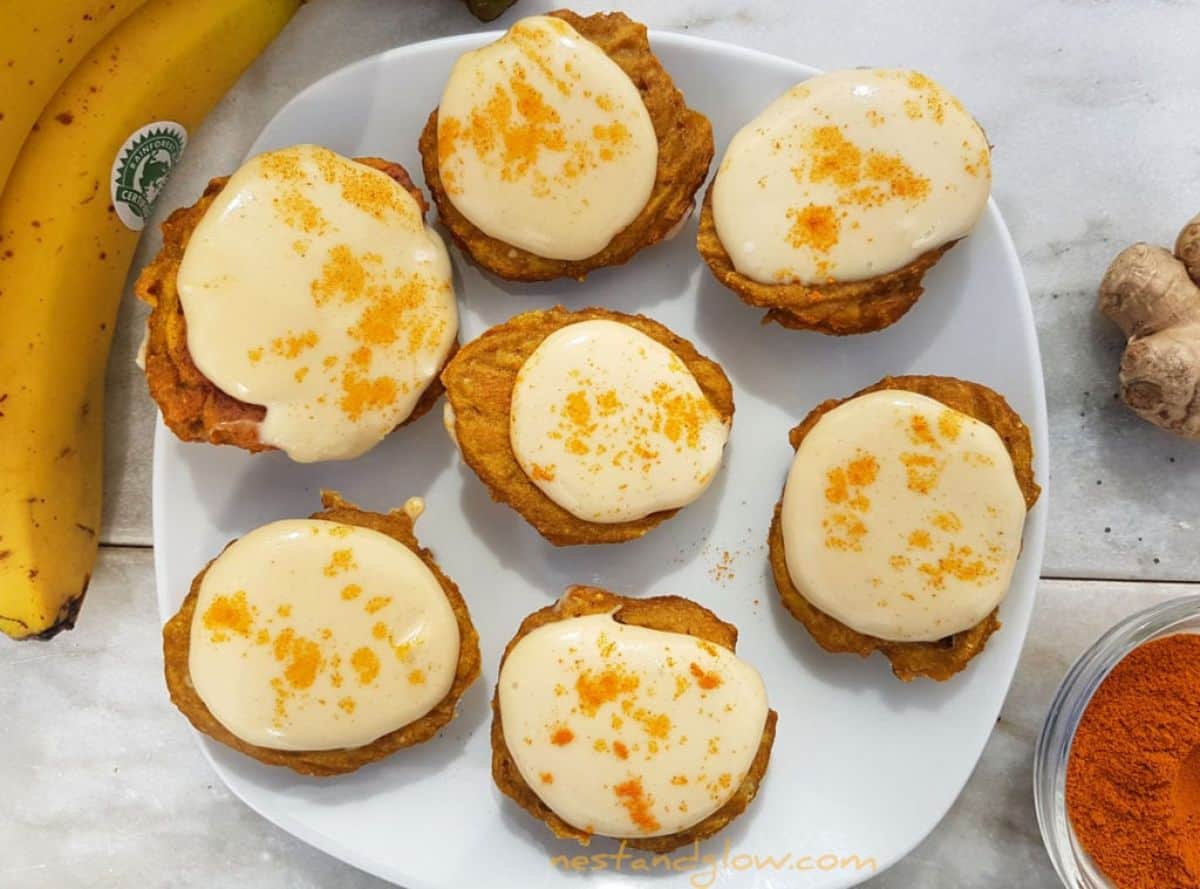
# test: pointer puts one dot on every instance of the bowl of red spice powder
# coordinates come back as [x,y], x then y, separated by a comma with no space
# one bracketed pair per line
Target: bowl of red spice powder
[1117,768]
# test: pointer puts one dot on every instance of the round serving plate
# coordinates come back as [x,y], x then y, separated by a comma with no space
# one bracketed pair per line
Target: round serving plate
[863,767]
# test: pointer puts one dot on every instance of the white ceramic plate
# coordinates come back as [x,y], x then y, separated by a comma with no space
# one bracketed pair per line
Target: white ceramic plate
[862,765]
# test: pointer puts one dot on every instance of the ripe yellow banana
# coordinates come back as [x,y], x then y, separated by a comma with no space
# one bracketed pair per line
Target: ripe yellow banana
[64,256]
[40,45]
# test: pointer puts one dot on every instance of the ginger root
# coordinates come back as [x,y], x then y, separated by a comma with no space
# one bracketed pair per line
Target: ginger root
[1153,295]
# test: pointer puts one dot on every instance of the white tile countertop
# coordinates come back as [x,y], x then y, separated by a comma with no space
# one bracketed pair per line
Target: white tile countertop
[1092,111]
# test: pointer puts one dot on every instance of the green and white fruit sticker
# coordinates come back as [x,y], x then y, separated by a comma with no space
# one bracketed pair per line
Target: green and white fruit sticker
[141,169]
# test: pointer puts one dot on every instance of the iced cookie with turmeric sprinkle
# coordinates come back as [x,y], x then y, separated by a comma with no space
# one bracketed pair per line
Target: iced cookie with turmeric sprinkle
[595,426]
[629,718]
[302,305]
[901,520]
[322,644]
[562,148]
[830,206]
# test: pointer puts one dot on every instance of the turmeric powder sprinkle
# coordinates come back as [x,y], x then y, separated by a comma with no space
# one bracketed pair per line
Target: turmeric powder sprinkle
[635,801]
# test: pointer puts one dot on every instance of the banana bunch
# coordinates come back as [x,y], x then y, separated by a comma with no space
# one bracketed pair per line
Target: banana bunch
[98,99]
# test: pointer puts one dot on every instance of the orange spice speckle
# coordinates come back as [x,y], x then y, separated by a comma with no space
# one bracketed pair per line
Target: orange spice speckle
[608,402]
[633,797]
[902,182]
[656,725]
[366,664]
[621,751]
[547,777]
[957,563]
[920,432]
[922,472]
[844,531]
[377,603]
[680,415]
[562,736]
[298,211]
[814,226]
[342,275]
[347,704]
[920,539]
[293,344]
[303,657]
[577,409]
[596,690]
[543,473]
[341,560]
[679,780]
[351,591]
[228,614]
[706,679]
[834,157]
[950,424]
[416,677]
[947,521]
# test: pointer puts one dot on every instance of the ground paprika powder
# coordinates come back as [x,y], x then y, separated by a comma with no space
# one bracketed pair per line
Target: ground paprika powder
[1133,776]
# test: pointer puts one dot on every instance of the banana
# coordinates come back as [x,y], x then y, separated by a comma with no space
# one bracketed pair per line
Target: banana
[64,255]
[40,44]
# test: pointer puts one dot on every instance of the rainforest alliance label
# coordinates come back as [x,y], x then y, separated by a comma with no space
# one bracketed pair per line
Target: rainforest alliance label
[141,169]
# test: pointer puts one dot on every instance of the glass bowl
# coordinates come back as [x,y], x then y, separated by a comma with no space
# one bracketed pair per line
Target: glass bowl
[1073,864]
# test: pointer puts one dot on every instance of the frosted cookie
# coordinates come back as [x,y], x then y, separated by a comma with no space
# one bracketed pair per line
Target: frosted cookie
[829,207]
[322,644]
[629,718]
[301,304]
[901,521]
[562,148]
[595,426]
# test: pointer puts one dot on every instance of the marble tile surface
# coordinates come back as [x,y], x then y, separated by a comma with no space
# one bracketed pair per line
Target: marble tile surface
[1091,107]
[104,785]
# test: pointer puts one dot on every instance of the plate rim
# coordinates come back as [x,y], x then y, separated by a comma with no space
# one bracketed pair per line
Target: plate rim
[1033,541]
